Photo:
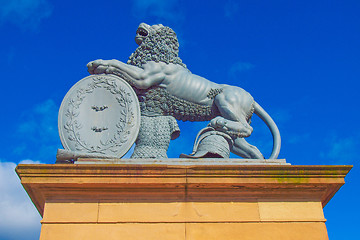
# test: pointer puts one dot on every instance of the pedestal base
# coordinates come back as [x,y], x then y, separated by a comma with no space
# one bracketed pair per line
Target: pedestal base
[114,201]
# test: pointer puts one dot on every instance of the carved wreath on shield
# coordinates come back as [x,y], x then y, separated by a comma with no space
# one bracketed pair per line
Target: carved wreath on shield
[123,125]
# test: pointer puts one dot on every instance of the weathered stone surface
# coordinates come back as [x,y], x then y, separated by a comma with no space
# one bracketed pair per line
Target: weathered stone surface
[112,201]
[99,116]
[154,137]
[185,161]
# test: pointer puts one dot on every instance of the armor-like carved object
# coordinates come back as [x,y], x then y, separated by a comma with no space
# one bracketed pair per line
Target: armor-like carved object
[154,138]
[165,87]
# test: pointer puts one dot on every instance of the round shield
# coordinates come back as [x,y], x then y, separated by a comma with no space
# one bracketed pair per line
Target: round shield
[100,114]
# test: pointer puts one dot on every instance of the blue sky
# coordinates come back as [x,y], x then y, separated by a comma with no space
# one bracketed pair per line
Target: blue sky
[299,59]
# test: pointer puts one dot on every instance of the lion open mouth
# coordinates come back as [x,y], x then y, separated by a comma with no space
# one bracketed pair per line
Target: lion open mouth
[141,34]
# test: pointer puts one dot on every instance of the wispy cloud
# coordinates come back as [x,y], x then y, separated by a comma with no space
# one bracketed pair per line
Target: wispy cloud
[230,9]
[26,14]
[161,10]
[281,116]
[16,208]
[239,67]
[341,149]
[299,138]
[37,133]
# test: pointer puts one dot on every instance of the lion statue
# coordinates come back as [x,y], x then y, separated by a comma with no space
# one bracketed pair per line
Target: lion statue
[165,87]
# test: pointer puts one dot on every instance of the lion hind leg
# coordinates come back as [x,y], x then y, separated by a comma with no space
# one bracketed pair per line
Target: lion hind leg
[233,104]
[243,149]
[233,128]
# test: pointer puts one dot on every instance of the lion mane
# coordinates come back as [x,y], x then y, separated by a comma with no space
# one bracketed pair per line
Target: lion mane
[161,45]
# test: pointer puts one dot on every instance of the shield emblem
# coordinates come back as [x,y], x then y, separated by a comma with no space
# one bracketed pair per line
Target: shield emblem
[99,115]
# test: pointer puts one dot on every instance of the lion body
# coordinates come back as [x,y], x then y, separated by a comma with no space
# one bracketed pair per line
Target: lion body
[169,97]
[165,87]
[184,95]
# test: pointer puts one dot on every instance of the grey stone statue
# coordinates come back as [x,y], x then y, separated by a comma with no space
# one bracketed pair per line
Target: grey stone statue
[166,88]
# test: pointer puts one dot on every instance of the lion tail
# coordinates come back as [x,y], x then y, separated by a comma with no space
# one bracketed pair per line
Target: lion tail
[273,128]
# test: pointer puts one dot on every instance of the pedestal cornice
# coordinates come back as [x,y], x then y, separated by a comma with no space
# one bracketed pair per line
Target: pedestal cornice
[174,183]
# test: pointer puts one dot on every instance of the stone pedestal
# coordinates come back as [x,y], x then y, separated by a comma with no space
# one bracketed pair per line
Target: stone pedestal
[192,202]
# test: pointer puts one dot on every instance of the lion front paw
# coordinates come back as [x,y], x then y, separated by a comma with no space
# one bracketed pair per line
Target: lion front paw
[93,66]
[99,66]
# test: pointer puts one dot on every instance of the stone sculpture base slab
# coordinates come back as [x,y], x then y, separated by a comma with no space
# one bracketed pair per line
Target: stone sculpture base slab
[184,161]
[132,201]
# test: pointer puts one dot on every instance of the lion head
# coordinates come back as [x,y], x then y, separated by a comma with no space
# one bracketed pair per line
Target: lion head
[156,43]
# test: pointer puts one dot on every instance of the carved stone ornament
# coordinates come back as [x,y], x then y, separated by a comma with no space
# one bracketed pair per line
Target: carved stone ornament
[99,115]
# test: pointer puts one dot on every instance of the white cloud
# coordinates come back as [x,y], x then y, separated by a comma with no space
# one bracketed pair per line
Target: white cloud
[24,13]
[19,217]
[162,10]
[37,133]
[28,161]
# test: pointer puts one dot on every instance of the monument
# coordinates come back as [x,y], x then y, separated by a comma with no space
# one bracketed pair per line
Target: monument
[92,192]
[167,91]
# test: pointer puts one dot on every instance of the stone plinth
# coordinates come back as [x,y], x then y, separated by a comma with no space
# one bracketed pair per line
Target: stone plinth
[130,201]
